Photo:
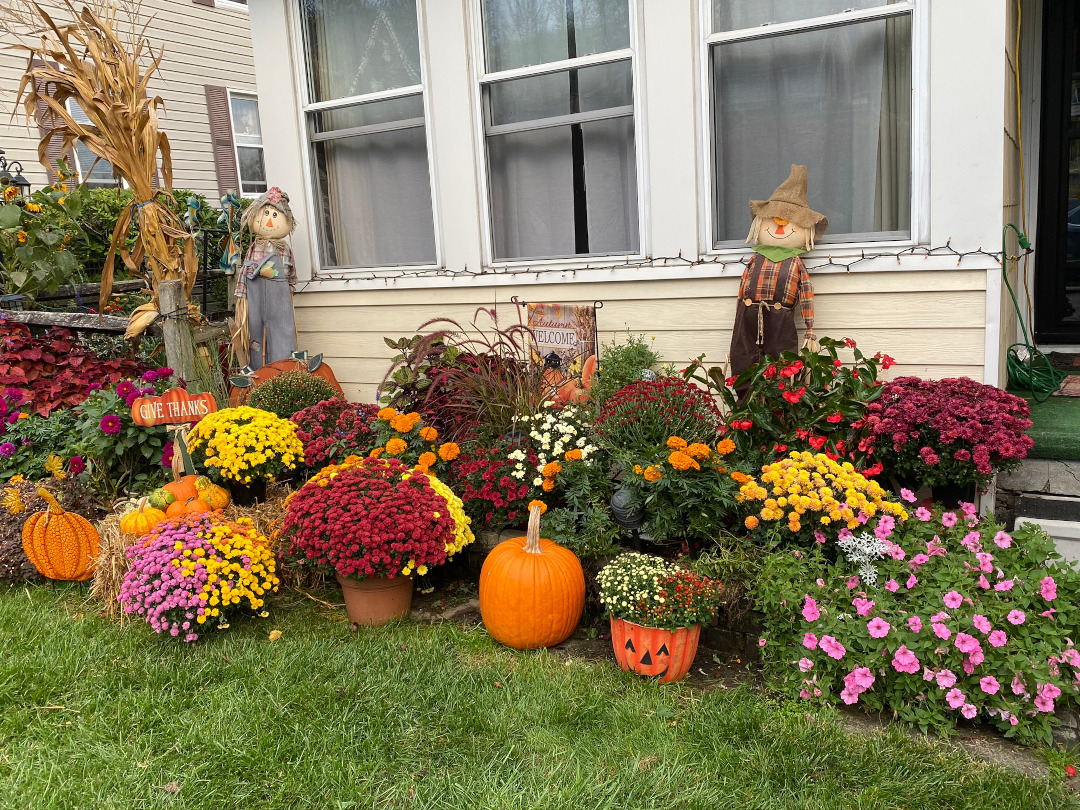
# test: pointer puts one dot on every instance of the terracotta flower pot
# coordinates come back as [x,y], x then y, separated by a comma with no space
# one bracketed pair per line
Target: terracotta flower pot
[663,655]
[376,600]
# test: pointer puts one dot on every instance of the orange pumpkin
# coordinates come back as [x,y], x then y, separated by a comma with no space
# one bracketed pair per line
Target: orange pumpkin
[61,545]
[192,506]
[532,591]
[652,652]
[140,520]
[183,489]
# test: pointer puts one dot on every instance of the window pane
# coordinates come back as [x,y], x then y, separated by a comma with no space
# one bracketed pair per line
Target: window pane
[102,175]
[532,177]
[245,119]
[550,95]
[252,170]
[373,187]
[837,100]
[354,47]
[731,15]
[518,33]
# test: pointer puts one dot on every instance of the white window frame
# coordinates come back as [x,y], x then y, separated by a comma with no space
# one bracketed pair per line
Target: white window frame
[77,164]
[229,93]
[232,6]
[920,115]
[481,76]
[306,106]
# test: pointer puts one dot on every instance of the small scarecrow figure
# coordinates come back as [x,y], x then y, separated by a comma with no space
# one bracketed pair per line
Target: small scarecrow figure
[776,278]
[266,283]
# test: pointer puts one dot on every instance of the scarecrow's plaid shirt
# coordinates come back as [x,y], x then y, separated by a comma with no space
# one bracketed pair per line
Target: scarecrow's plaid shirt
[259,251]
[785,282]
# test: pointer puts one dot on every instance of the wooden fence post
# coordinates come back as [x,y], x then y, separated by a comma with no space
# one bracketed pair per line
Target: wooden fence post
[179,341]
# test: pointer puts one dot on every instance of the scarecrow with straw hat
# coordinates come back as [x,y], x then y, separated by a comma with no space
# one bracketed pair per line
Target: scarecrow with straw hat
[265,284]
[784,228]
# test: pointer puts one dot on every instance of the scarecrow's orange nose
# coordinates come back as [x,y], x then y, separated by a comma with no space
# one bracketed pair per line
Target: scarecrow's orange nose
[269,224]
[780,223]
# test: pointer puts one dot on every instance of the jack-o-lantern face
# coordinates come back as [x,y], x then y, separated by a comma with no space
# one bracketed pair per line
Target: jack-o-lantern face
[650,663]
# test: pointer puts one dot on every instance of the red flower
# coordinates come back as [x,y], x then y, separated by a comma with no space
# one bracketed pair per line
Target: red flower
[849,343]
[769,372]
[1070,770]
[792,370]
[817,442]
[795,396]
[834,418]
[780,448]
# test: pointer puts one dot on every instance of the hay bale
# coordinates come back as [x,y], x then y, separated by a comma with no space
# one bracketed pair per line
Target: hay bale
[110,566]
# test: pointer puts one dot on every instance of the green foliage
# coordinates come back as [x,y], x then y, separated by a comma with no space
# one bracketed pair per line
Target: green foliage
[583,522]
[418,361]
[621,364]
[643,415]
[30,442]
[290,392]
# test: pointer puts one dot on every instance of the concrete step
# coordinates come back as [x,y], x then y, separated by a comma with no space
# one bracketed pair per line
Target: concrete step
[1058,516]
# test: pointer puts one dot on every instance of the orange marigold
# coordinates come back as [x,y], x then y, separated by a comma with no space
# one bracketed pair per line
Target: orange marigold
[698,450]
[653,474]
[386,414]
[740,478]
[395,447]
[551,469]
[638,469]
[751,522]
[681,461]
[548,485]
[449,451]
[427,459]
[573,455]
[725,446]
[378,451]
[676,443]
[540,504]
[402,423]
[429,434]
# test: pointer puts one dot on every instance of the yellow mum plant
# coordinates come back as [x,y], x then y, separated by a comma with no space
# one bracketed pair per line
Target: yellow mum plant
[807,491]
[244,445]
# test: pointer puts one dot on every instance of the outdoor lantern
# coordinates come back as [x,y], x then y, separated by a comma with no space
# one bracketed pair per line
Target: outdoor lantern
[629,512]
[8,179]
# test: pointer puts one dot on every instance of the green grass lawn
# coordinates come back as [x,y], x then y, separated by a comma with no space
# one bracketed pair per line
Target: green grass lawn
[97,716]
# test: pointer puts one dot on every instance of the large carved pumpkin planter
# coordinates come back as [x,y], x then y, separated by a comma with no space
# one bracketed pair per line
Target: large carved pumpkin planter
[663,655]
[532,591]
[375,601]
[61,545]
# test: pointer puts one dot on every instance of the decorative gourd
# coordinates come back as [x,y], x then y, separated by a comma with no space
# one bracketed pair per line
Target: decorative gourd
[192,506]
[141,519]
[61,545]
[532,591]
[160,498]
[216,496]
[183,489]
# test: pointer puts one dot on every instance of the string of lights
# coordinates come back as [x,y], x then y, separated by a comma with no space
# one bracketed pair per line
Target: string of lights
[723,263]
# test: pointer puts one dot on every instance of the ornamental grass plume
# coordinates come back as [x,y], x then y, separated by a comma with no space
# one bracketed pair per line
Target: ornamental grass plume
[374,517]
[195,572]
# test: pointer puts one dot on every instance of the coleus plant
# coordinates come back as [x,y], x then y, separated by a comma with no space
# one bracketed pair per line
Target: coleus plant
[42,374]
[810,400]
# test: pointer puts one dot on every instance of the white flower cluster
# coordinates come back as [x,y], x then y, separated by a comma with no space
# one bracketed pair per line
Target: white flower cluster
[863,550]
[553,434]
[631,579]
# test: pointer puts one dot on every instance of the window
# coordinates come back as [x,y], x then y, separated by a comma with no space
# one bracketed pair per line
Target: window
[100,175]
[825,83]
[558,109]
[367,131]
[247,138]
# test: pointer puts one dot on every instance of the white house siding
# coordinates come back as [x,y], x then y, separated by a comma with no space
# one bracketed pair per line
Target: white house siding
[202,45]
[938,316]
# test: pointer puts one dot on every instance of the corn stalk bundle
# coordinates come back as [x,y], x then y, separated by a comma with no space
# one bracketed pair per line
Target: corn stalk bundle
[86,60]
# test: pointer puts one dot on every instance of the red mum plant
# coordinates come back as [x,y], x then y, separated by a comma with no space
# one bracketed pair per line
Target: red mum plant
[952,431]
[641,416]
[374,517]
[494,496]
[335,429]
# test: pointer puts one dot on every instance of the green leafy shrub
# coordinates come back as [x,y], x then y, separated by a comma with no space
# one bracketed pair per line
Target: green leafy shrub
[643,415]
[290,392]
[944,618]
[621,364]
[25,443]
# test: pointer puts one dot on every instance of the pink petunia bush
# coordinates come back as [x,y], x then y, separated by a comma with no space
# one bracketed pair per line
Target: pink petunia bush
[942,647]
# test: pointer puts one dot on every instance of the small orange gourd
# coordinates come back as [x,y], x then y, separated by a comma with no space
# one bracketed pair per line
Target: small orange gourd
[192,506]
[532,591]
[61,545]
[141,519]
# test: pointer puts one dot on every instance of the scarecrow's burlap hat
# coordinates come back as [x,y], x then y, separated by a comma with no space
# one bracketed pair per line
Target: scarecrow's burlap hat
[789,202]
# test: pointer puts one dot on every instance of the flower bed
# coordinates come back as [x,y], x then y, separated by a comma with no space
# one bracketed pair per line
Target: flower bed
[966,621]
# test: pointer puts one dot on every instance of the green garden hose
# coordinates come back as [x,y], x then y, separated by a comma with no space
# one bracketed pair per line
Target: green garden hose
[1029,369]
